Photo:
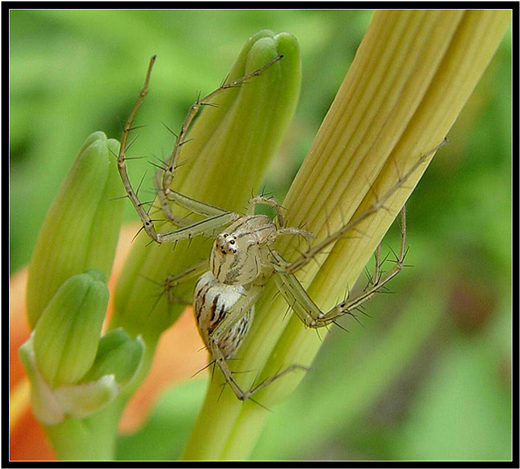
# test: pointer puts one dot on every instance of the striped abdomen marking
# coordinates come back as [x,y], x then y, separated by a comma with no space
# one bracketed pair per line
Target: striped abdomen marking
[213,301]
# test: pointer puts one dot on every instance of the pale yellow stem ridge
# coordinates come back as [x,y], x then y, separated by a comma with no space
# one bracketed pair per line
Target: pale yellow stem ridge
[410,78]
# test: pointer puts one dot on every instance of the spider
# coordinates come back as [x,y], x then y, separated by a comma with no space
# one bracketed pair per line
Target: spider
[243,258]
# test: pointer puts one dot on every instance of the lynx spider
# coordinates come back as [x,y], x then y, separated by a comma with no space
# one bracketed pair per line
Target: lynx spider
[242,258]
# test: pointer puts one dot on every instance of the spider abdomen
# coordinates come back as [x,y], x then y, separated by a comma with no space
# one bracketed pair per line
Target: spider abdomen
[212,303]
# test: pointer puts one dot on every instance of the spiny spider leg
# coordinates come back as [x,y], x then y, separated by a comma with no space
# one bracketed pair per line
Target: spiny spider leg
[237,390]
[201,208]
[173,281]
[209,226]
[217,218]
[307,310]
[282,230]
[121,165]
[168,174]
[266,200]
[196,206]
[193,271]
[307,256]
[163,183]
[372,279]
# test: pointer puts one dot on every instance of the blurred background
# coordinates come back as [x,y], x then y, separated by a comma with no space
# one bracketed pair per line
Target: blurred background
[428,373]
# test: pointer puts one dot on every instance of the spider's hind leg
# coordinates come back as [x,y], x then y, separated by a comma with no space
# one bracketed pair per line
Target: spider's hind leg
[228,374]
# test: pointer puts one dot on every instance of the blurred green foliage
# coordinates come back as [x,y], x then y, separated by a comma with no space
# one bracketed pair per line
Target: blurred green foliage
[428,376]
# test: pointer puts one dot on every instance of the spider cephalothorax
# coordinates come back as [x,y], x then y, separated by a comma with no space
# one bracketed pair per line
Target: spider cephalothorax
[240,254]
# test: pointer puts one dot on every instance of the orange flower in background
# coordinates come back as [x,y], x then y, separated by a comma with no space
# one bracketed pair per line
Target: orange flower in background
[178,357]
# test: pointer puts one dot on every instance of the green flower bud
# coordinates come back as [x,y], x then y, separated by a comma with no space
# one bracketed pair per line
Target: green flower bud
[81,228]
[118,355]
[53,405]
[67,335]
[72,372]
[229,150]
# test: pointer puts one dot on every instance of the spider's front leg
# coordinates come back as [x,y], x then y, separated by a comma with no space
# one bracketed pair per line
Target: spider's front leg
[164,182]
[216,218]
[148,225]
[307,310]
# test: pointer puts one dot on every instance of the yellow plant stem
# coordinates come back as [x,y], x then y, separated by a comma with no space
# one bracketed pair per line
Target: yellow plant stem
[411,76]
